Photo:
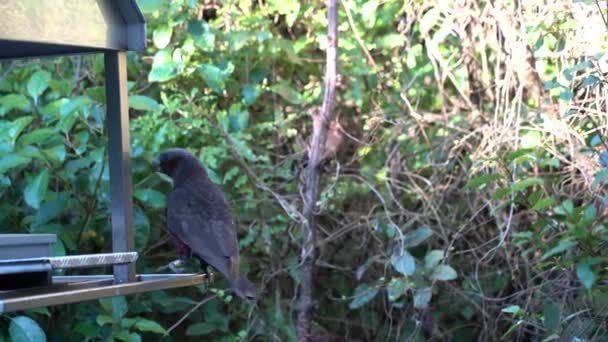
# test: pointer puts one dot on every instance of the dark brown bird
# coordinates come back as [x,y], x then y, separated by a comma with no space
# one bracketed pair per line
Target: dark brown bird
[200,220]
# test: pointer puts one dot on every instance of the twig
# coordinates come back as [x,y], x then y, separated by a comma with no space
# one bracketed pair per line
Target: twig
[351,23]
[201,303]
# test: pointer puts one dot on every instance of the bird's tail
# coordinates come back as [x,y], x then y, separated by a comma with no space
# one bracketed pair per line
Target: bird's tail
[243,288]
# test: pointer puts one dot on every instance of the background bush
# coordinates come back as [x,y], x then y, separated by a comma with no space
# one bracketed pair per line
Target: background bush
[466,202]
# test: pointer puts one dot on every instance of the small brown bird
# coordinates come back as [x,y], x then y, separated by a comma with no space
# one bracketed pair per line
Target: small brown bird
[333,141]
[200,220]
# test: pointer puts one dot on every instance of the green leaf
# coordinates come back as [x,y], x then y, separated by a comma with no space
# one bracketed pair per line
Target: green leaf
[104,319]
[163,73]
[551,316]
[363,294]
[36,189]
[566,208]
[416,237]
[215,76]
[585,273]
[512,309]
[162,36]
[204,39]
[151,198]
[11,161]
[590,81]
[287,92]
[531,139]
[238,118]
[127,336]
[432,258]
[482,180]
[396,288]
[74,105]
[404,263]
[422,297]
[13,101]
[595,140]
[10,130]
[443,272]
[544,203]
[143,324]
[561,247]
[116,306]
[149,6]
[144,103]
[25,329]
[39,136]
[250,93]
[141,223]
[38,83]
[526,183]
[198,329]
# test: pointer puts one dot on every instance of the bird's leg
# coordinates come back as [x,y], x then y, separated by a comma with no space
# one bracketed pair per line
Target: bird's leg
[206,274]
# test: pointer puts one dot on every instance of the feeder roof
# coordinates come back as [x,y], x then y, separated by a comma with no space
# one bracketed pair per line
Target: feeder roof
[34,28]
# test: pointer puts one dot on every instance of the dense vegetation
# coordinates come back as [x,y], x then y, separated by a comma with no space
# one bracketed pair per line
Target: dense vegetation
[466,202]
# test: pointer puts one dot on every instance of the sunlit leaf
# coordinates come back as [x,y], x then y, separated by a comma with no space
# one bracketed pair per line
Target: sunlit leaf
[150,197]
[416,237]
[404,263]
[13,101]
[38,83]
[561,247]
[25,329]
[144,103]
[143,324]
[396,288]
[432,258]
[422,297]
[482,180]
[443,272]
[287,92]
[512,309]
[162,36]
[363,294]
[36,189]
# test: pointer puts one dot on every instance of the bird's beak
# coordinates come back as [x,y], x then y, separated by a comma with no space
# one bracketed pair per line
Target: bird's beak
[156,164]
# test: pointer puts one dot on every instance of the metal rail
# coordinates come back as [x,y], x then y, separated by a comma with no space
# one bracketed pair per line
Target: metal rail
[72,289]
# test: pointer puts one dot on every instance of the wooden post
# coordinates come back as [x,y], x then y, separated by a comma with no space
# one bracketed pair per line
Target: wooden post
[119,154]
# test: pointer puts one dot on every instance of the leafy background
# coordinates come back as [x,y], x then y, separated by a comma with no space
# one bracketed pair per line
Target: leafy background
[467,200]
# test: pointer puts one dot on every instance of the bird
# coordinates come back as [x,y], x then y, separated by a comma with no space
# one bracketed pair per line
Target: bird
[333,141]
[200,220]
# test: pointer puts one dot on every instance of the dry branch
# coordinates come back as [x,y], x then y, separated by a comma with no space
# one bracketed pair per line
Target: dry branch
[317,146]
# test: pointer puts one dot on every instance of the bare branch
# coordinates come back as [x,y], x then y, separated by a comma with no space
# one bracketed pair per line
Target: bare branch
[317,146]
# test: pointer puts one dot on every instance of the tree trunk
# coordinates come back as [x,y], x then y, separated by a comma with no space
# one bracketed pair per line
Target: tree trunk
[317,145]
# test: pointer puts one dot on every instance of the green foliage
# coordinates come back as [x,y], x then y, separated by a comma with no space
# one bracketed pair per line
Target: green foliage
[452,220]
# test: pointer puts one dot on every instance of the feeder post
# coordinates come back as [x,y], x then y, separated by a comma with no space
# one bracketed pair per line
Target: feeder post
[119,154]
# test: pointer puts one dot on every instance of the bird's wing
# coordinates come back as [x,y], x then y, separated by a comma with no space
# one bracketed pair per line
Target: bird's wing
[203,221]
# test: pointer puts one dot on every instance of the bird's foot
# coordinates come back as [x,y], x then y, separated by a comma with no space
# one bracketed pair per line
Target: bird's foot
[208,277]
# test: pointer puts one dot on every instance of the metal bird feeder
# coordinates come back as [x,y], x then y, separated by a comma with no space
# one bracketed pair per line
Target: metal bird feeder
[37,28]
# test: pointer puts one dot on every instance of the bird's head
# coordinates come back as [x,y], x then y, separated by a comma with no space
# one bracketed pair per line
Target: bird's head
[176,162]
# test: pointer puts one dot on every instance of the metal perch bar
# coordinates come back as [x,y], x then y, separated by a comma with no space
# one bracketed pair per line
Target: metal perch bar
[70,261]
[72,289]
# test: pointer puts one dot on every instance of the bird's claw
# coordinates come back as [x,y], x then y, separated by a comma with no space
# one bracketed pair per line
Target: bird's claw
[208,277]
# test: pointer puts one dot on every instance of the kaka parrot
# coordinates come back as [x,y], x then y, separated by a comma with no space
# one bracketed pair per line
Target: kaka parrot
[200,220]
